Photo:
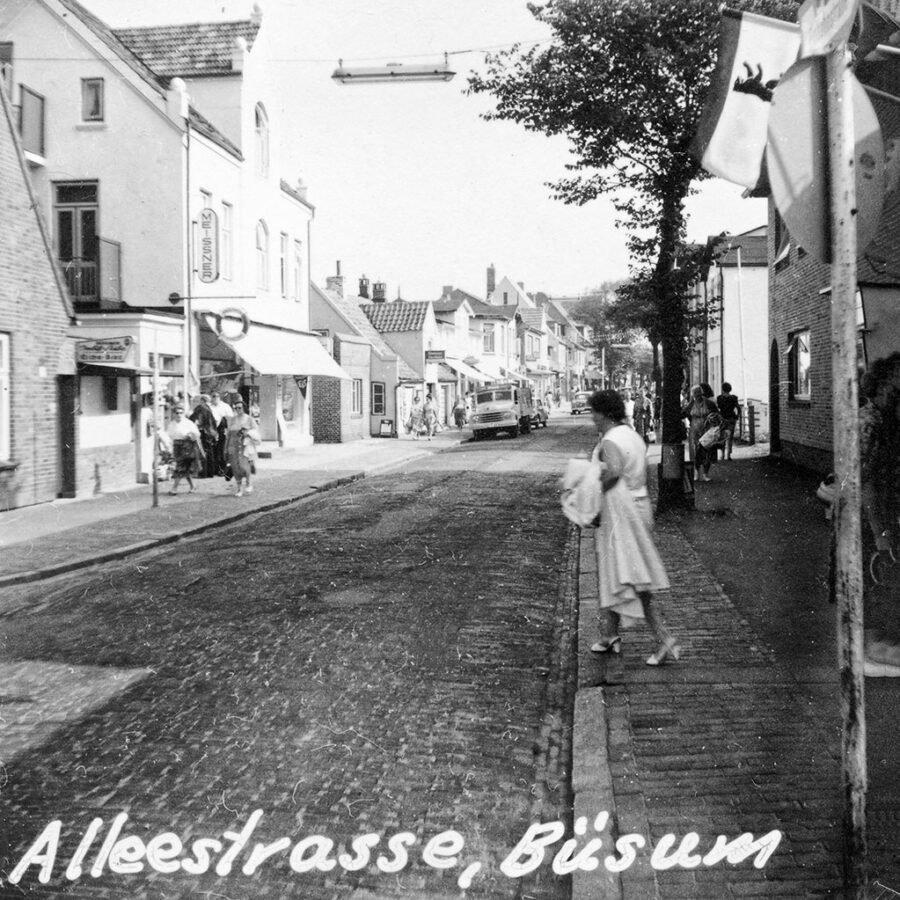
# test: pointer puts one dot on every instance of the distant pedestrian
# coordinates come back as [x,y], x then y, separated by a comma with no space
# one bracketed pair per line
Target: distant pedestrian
[729,410]
[243,436]
[702,415]
[415,424]
[187,449]
[629,567]
[459,411]
[548,399]
[205,421]
[629,408]
[430,415]
[557,399]
[638,415]
[222,412]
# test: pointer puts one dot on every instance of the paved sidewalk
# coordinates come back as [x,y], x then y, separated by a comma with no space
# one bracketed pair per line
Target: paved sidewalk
[53,538]
[731,739]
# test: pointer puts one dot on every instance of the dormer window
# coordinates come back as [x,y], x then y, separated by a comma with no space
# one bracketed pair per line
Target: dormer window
[262,140]
[92,100]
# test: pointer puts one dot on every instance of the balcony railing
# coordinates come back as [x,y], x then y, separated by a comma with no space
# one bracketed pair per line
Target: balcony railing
[96,283]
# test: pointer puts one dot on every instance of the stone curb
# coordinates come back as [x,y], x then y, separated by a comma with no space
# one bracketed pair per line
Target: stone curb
[129,550]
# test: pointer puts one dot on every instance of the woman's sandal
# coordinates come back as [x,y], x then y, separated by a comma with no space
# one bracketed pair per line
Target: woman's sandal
[614,645]
[670,648]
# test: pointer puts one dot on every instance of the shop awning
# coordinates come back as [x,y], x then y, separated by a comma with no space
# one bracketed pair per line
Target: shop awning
[459,366]
[493,374]
[272,351]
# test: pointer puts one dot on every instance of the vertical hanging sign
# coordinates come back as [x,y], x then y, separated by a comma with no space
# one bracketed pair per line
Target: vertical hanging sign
[208,263]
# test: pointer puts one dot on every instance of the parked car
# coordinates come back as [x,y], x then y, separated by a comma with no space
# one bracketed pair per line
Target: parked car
[580,403]
[540,415]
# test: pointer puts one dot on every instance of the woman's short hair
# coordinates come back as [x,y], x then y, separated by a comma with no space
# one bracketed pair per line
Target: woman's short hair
[608,403]
[726,387]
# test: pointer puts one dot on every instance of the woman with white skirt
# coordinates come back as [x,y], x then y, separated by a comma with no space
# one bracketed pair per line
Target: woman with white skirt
[630,570]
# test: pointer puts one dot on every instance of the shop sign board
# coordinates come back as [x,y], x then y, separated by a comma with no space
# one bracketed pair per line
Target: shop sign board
[208,267]
[435,355]
[103,350]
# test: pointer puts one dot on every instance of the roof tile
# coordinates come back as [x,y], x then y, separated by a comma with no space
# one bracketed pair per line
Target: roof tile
[398,315]
[200,48]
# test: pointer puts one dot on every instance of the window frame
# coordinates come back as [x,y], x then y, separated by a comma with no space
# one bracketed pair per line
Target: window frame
[262,255]
[86,84]
[5,396]
[798,376]
[488,337]
[356,397]
[261,130]
[378,404]
[283,272]
[298,270]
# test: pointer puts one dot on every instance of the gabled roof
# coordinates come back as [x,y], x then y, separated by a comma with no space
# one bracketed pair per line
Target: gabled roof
[754,249]
[197,49]
[398,315]
[203,126]
[532,318]
[350,311]
[108,36]
[489,311]
[447,304]
[147,74]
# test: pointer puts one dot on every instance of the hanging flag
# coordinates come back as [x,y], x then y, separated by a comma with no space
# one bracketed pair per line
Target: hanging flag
[754,52]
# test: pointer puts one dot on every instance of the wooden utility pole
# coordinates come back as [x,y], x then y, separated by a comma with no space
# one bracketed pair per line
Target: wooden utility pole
[846,519]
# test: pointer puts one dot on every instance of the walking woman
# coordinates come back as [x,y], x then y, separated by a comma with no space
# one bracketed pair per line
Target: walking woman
[186,449]
[702,414]
[416,421]
[630,570]
[243,436]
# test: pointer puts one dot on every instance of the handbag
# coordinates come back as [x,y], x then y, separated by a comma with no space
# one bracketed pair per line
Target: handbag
[711,437]
[582,494]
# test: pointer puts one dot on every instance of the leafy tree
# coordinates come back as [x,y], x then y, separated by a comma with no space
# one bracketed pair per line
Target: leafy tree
[624,81]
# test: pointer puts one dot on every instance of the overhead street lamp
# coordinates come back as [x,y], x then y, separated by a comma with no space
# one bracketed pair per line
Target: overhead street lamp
[393,73]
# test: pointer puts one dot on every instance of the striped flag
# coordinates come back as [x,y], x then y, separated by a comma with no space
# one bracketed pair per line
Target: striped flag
[754,52]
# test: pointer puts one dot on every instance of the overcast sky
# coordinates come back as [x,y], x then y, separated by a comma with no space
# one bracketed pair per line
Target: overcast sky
[411,186]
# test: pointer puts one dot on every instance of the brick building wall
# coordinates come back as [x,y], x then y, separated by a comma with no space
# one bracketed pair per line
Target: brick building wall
[326,409]
[797,302]
[34,316]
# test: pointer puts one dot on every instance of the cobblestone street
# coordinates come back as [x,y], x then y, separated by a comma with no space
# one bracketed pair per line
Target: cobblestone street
[387,657]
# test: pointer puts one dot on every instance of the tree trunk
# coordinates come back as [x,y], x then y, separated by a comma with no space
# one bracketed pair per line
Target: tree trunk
[675,489]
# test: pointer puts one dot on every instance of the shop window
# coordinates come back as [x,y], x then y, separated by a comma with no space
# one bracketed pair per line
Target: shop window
[92,100]
[799,366]
[356,397]
[378,398]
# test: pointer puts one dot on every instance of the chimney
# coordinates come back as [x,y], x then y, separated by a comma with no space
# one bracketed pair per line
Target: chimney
[364,287]
[336,282]
[177,100]
[491,279]
[521,285]
[379,292]
[446,290]
[256,15]
[238,54]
